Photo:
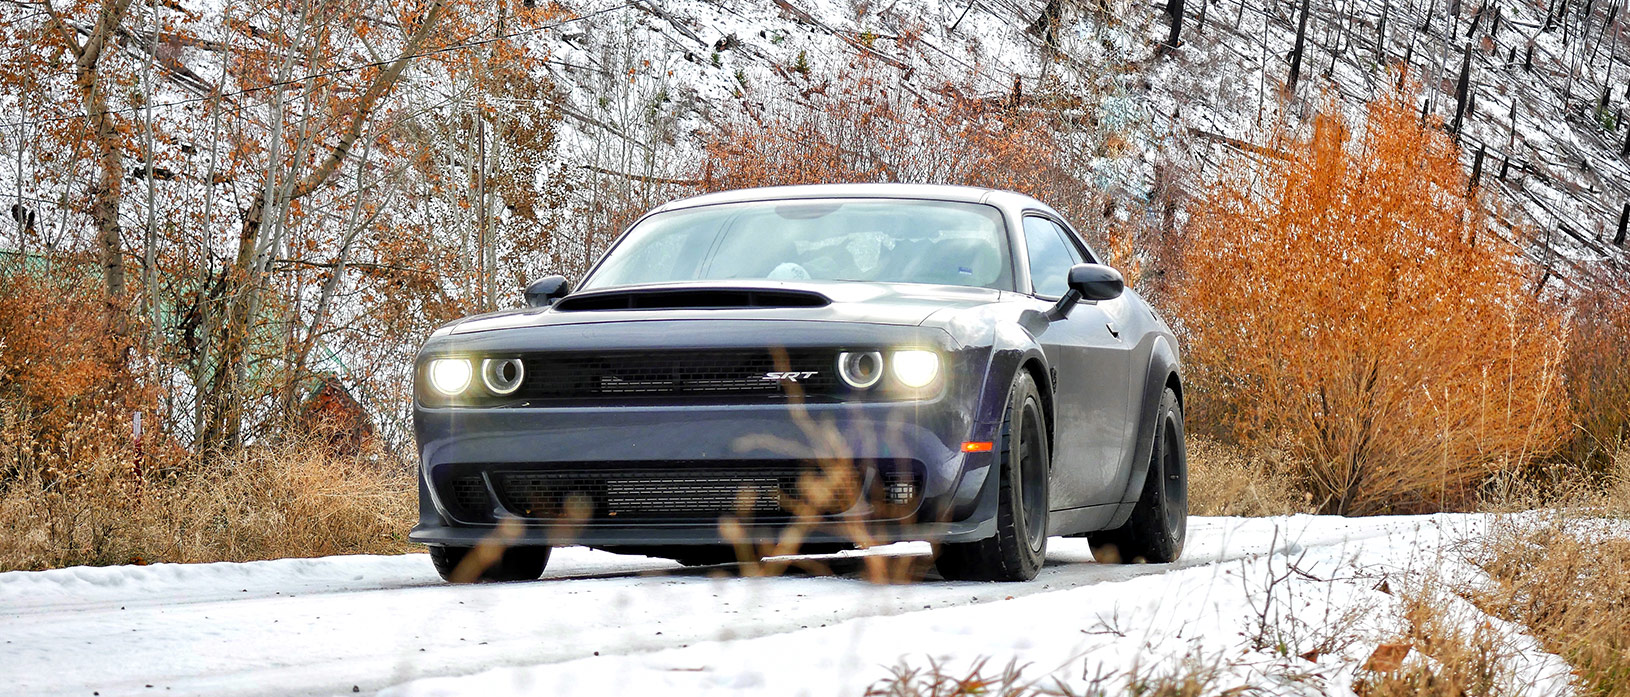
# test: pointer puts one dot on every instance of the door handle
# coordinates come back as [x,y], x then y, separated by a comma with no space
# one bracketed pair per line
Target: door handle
[1113,330]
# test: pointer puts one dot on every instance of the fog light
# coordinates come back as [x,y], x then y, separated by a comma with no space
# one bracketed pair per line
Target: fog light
[450,375]
[860,369]
[502,375]
[916,368]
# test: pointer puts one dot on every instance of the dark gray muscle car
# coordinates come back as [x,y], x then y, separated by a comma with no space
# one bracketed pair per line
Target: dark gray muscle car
[831,365]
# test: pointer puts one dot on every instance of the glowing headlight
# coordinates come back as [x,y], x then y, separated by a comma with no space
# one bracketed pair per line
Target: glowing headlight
[916,368]
[450,375]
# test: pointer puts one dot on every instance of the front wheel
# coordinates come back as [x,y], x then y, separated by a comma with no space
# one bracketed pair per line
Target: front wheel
[1159,523]
[1016,551]
[465,565]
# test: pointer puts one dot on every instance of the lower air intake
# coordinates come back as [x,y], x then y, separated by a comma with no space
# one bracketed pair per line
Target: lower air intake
[677,493]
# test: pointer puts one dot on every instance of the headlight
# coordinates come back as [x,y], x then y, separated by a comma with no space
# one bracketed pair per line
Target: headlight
[450,375]
[502,375]
[916,368]
[860,369]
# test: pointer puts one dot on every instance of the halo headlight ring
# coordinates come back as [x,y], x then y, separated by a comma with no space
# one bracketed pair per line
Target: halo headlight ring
[860,369]
[502,376]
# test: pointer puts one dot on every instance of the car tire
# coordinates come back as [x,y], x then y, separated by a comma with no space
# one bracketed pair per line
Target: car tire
[514,564]
[1159,524]
[1017,550]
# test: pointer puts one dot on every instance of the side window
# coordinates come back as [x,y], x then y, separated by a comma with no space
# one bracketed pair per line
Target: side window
[1051,256]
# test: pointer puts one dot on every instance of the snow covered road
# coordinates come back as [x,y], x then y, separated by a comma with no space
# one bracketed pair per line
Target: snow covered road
[607,624]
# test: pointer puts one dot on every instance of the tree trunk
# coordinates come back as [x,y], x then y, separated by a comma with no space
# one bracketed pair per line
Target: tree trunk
[1477,170]
[1301,43]
[241,284]
[1462,88]
[1174,10]
[1381,34]
[107,189]
[1624,217]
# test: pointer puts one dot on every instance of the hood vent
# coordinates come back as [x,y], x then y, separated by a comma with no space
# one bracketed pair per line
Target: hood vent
[690,299]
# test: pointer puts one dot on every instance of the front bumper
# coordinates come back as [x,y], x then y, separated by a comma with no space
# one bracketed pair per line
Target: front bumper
[955,498]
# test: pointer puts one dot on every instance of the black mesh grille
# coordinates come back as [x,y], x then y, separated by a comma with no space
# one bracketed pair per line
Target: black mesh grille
[469,494]
[669,492]
[698,373]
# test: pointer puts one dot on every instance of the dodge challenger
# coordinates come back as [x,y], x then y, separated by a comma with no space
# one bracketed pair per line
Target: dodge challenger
[830,365]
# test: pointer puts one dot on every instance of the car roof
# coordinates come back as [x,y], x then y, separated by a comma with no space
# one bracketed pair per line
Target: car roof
[934,192]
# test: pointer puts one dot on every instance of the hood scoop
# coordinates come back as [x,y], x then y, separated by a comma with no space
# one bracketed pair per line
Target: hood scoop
[689,299]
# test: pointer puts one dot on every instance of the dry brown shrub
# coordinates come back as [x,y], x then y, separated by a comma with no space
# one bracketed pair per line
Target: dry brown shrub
[267,502]
[1230,480]
[1598,369]
[76,486]
[1568,582]
[62,373]
[1347,301]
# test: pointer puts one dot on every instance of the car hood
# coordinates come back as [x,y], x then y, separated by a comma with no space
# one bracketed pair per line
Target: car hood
[902,304]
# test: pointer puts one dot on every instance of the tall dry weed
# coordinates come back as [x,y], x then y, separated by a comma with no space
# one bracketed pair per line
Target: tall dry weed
[1598,369]
[1568,582]
[1437,656]
[1348,301]
[267,502]
[1230,480]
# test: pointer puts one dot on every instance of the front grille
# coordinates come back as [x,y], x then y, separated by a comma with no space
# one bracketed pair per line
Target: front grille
[675,491]
[470,495]
[700,373]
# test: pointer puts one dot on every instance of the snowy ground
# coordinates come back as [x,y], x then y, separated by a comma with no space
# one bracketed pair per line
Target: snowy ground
[605,624]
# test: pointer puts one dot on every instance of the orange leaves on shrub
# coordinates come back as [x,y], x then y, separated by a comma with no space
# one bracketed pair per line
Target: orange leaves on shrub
[1347,300]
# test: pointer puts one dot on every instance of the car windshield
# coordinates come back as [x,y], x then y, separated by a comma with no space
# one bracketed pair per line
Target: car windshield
[894,241]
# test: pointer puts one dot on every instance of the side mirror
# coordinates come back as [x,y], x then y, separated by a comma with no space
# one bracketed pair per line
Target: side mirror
[1096,282]
[544,292]
[1088,282]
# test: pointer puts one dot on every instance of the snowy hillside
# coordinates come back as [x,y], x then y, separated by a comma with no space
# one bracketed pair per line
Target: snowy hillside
[1550,138]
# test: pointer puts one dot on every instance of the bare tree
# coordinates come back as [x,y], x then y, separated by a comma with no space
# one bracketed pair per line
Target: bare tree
[244,282]
[1296,53]
[1462,89]
[106,138]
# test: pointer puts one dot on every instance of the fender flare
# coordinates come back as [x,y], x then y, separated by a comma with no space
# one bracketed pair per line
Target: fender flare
[1163,366]
[1010,351]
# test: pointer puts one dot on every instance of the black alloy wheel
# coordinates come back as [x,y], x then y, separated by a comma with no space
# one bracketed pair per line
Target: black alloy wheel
[1159,524]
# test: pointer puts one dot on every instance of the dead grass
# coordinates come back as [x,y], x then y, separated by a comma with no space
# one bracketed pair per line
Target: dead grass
[1435,655]
[1190,677]
[1567,489]
[294,500]
[1568,582]
[1229,480]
